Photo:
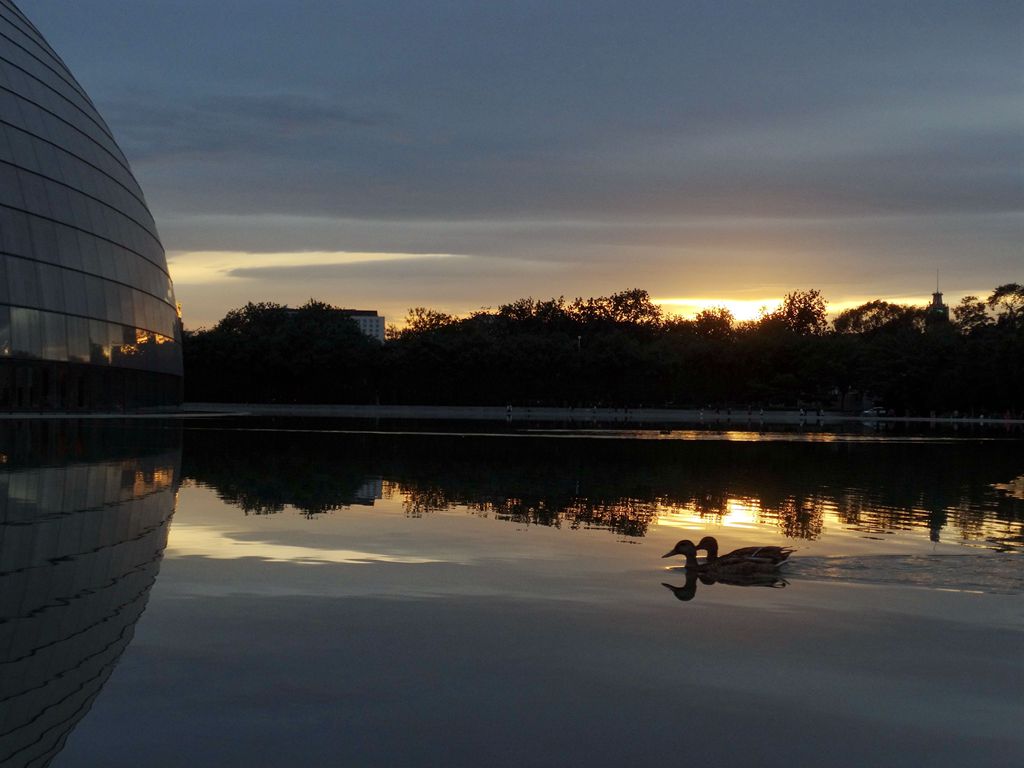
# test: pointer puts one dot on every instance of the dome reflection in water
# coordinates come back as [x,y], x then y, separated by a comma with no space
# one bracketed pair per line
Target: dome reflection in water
[83,526]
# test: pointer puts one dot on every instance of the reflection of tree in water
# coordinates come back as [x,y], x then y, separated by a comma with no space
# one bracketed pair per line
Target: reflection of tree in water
[624,485]
[975,510]
[262,477]
[626,517]
[800,517]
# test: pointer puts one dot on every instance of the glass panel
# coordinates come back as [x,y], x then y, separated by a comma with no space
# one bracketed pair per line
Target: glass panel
[26,334]
[124,351]
[33,192]
[23,280]
[112,301]
[121,267]
[127,308]
[70,251]
[51,284]
[55,336]
[5,295]
[5,331]
[99,343]
[14,232]
[90,256]
[44,239]
[74,293]
[78,340]
[94,297]
[145,346]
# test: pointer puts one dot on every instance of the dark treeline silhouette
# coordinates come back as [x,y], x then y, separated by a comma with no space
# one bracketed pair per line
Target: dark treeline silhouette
[624,485]
[268,353]
[622,350]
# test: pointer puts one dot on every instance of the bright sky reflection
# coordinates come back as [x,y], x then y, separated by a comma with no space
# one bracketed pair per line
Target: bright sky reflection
[204,541]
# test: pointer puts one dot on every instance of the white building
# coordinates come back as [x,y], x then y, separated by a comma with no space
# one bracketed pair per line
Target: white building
[369,322]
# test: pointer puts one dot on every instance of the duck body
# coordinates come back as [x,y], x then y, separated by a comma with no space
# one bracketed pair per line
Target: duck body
[772,555]
[742,563]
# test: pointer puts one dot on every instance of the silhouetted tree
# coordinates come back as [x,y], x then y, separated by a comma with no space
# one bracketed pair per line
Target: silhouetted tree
[802,312]
[419,319]
[877,316]
[620,350]
[970,315]
[269,352]
[1008,301]
[714,323]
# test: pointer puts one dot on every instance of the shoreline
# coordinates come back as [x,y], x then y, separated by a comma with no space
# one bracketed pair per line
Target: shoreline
[636,416]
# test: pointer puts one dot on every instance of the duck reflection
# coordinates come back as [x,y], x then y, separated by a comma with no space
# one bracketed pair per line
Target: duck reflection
[84,514]
[688,590]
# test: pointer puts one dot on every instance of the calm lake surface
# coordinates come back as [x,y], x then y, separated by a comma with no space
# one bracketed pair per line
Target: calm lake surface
[244,592]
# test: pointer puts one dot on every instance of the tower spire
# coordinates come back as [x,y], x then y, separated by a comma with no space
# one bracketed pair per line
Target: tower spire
[938,311]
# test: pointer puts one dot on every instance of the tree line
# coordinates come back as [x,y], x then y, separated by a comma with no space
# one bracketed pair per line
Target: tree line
[623,350]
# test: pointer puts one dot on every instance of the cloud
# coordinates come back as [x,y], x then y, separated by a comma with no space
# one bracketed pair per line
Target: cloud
[231,127]
[401,110]
[405,268]
[205,267]
[599,144]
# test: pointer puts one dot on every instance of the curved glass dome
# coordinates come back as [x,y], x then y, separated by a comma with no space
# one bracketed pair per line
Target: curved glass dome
[87,312]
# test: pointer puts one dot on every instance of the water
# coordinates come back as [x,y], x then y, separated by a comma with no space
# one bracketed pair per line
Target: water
[317,594]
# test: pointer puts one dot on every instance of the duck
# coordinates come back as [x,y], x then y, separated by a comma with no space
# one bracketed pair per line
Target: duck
[767,554]
[688,591]
[735,565]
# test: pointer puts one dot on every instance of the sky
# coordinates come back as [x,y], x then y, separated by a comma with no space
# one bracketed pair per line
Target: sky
[458,155]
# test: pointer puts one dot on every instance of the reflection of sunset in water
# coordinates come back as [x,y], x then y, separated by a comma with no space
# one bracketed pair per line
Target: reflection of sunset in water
[1014,488]
[803,487]
[793,517]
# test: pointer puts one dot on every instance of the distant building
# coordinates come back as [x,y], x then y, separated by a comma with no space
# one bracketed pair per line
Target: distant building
[938,312]
[369,322]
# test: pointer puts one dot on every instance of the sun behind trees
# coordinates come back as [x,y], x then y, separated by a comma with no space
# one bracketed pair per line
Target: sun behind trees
[622,350]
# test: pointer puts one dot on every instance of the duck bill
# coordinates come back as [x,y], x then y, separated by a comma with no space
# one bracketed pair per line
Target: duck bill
[668,554]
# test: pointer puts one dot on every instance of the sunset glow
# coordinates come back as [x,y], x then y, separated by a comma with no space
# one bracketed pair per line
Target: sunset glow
[751,309]
[742,309]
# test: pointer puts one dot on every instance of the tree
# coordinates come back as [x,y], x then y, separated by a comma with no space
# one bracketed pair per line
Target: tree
[619,350]
[714,323]
[1008,301]
[420,319]
[970,315]
[803,312]
[268,352]
[875,316]
[635,306]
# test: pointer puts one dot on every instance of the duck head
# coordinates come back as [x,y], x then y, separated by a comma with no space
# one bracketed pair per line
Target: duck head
[710,545]
[684,547]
